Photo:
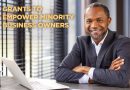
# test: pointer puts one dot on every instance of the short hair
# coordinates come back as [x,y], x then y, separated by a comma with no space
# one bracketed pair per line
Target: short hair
[97,4]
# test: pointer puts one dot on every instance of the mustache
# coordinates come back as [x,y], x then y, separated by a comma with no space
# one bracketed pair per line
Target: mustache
[91,30]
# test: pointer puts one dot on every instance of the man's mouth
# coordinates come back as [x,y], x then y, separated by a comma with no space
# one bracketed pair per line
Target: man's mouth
[94,31]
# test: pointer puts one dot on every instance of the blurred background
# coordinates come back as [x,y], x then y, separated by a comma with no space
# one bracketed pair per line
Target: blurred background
[39,51]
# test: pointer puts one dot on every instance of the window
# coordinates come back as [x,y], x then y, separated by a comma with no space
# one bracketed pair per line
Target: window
[37,51]
[6,35]
[39,46]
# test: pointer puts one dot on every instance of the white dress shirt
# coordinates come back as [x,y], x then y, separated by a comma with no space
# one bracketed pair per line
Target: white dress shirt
[85,77]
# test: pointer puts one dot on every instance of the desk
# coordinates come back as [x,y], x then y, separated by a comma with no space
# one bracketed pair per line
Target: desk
[8,83]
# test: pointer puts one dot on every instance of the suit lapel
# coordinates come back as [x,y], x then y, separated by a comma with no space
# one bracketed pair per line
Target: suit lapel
[91,53]
[107,42]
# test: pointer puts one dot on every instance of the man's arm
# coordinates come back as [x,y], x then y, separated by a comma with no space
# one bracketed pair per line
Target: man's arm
[66,75]
[119,78]
[115,65]
[64,72]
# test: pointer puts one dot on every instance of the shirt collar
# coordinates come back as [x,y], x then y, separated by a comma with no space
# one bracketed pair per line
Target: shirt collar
[101,42]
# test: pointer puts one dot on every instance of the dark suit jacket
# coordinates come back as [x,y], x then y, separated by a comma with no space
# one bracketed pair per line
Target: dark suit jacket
[84,53]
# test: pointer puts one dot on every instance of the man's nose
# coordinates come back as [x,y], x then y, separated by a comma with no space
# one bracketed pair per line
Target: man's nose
[94,24]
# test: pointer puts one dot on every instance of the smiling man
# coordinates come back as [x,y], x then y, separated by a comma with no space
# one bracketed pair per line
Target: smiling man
[102,56]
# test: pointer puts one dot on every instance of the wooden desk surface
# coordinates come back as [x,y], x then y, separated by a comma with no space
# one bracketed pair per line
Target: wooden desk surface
[8,83]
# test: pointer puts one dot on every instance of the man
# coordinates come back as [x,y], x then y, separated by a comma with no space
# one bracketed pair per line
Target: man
[102,57]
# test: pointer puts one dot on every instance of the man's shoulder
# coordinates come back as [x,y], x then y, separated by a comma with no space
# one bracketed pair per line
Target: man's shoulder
[83,37]
[119,37]
[122,38]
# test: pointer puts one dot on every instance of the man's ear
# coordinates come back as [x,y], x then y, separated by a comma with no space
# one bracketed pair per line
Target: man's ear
[109,20]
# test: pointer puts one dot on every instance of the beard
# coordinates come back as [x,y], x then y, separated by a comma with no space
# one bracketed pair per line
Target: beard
[97,34]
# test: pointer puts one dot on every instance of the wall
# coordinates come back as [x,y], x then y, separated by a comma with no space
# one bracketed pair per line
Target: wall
[111,4]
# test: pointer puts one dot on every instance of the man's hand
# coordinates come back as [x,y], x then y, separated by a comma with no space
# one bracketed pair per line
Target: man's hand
[85,70]
[81,69]
[116,64]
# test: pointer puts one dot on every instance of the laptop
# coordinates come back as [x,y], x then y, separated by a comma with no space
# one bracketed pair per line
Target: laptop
[32,84]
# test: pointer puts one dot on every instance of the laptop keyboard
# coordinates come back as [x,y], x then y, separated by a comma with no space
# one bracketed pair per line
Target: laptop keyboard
[46,85]
[37,86]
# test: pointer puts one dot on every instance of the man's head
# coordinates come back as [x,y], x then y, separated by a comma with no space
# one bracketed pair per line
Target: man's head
[97,19]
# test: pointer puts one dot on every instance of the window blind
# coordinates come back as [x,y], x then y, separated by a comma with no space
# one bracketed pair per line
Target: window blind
[37,51]
[60,34]
[6,35]
[42,52]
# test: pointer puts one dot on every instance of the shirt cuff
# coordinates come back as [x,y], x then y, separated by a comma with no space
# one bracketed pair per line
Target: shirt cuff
[84,79]
[90,73]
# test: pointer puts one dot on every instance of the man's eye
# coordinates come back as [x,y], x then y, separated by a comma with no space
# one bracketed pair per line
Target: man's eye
[99,20]
[88,21]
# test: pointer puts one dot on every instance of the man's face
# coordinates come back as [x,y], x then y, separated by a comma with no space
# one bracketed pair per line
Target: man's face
[96,23]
